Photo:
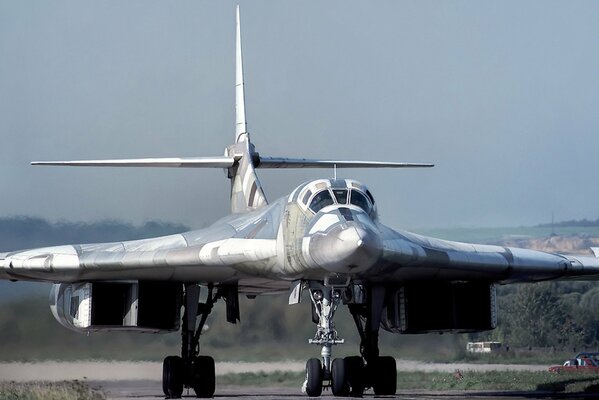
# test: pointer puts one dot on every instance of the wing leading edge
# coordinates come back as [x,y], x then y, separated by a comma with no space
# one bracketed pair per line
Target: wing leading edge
[408,256]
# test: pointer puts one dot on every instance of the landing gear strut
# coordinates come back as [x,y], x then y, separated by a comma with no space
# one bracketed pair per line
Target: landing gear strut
[349,375]
[378,372]
[190,369]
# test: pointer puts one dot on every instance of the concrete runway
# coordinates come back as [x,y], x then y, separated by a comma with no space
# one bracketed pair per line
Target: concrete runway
[151,390]
[141,380]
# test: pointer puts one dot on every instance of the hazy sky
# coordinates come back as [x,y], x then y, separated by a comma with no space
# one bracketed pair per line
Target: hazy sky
[502,96]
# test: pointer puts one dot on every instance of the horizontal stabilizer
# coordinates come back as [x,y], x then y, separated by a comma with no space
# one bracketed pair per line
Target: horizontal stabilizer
[173,162]
[228,162]
[279,162]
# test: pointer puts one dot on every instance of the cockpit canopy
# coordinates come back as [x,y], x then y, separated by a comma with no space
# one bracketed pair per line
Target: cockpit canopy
[316,195]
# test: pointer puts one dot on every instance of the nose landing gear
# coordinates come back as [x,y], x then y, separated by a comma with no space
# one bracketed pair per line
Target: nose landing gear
[325,301]
[349,376]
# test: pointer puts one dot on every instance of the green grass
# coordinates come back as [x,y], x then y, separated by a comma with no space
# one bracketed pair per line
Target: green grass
[514,357]
[495,380]
[500,380]
[72,390]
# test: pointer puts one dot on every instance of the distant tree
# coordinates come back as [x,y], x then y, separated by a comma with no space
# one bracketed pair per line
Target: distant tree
[580,223]
[587,314]
[535,316]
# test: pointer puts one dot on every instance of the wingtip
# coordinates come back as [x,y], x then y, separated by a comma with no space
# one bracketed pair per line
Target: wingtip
[44,163]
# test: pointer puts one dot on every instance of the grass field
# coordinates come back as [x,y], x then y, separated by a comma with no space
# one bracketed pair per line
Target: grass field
[73,390]
[513,357]
[505,380]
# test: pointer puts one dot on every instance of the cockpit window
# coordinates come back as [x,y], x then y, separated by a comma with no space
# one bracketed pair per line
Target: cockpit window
[370,196]
[340,195]
[307,197]
[321,200]
[358,199]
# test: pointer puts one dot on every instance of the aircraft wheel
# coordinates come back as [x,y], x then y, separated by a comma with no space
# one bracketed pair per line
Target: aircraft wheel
[314,377]
[384,376]
[354,370]
[172,377]
[204,377]
[339,382]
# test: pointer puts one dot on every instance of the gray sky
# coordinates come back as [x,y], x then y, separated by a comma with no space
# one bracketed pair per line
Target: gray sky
[502,96]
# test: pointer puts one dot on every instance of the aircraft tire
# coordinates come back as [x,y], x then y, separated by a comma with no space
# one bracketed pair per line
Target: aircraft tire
[204,377]
[384,376]
[339,382]
[314,375]
[172,377]
[354,370]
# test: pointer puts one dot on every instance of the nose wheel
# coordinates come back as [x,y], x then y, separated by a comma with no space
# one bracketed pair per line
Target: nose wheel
[314,378]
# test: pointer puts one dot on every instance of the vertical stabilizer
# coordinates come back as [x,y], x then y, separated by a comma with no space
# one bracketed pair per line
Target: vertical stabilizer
[241,133]
[246,191]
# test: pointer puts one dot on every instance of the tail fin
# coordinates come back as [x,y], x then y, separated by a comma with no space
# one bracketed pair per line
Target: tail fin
[246,191]
[241,132]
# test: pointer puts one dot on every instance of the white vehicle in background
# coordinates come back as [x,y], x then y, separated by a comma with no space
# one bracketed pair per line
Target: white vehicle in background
[483,347]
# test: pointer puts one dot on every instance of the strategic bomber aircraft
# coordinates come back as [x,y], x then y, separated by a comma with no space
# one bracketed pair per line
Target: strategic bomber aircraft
[324,238]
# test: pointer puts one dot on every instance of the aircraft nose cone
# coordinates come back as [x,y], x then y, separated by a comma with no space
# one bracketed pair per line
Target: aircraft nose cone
[346,249]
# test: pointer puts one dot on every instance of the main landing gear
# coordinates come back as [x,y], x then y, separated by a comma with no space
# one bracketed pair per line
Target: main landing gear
[191,370]
[349,376]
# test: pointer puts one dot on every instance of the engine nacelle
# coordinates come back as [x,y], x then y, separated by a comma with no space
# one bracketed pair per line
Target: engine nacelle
[117,306]
[426,307]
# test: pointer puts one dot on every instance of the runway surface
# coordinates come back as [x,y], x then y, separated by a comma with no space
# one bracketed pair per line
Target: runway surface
[146,390]
[141,380]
